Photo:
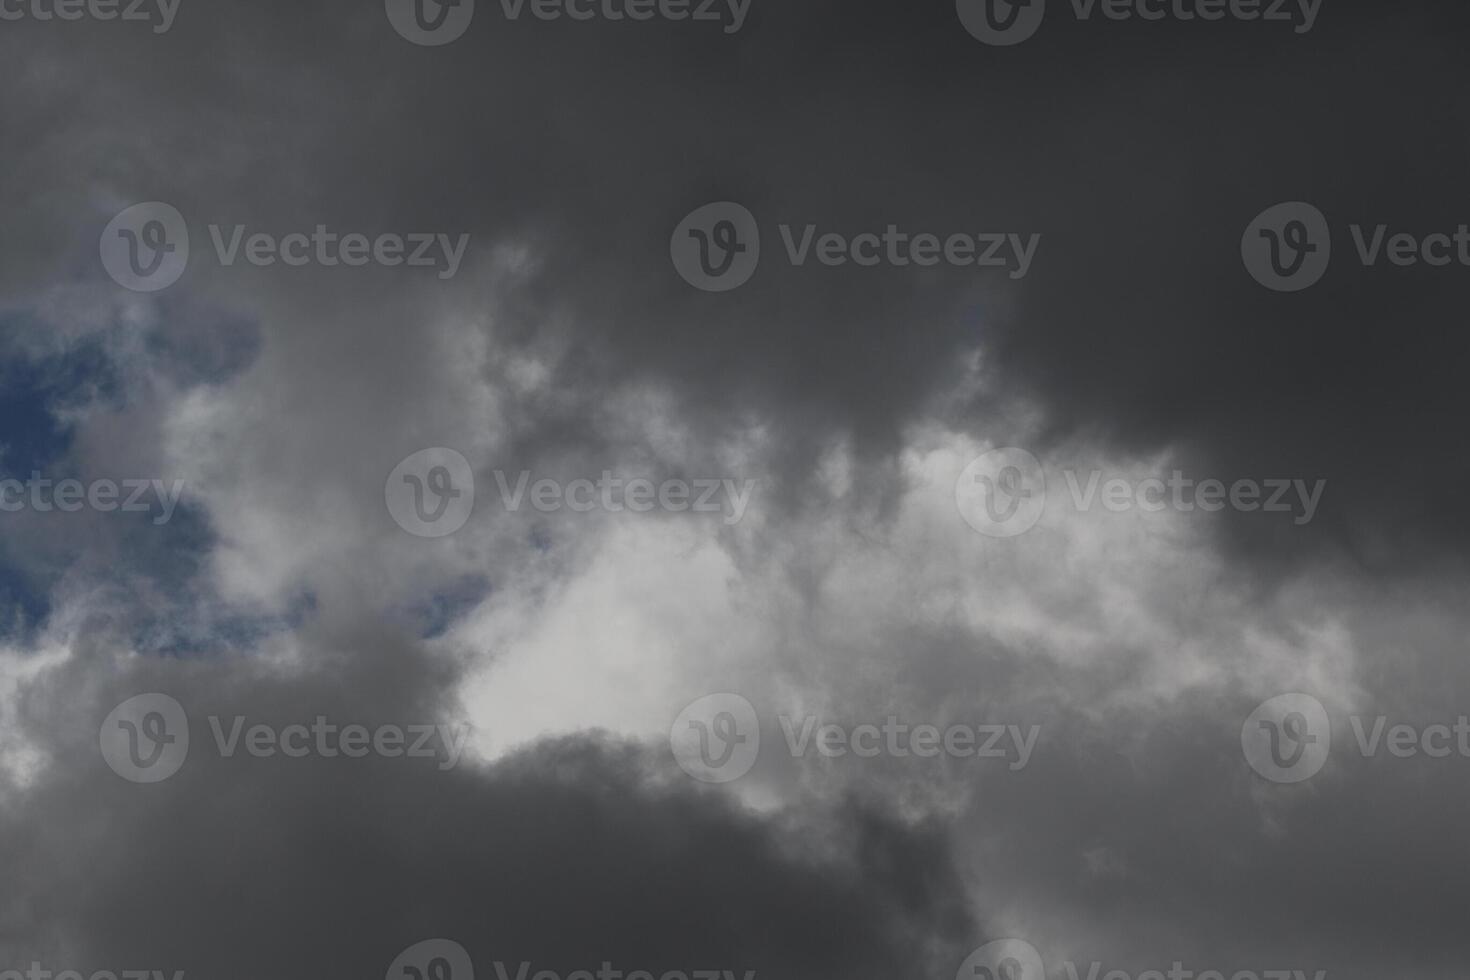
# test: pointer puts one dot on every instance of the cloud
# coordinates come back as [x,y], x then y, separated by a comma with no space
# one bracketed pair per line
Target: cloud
[573,852]
[851,589]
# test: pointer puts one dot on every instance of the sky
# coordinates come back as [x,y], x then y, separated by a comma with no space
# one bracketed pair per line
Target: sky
[733,490]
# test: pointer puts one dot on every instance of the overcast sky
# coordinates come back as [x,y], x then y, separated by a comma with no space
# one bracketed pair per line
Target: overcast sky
[794,488]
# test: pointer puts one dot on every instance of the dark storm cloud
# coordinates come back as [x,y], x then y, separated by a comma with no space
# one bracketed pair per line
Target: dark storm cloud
[1140,839]
[566,855]
[1144,330]
[1139,151]
[1137,836]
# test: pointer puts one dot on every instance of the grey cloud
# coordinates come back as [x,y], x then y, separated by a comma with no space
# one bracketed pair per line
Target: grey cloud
[576,851]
